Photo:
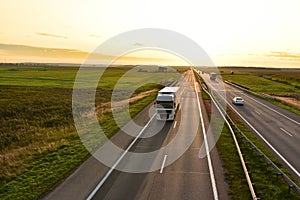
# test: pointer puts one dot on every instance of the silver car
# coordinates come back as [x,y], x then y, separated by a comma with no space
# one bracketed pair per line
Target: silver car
[238,101]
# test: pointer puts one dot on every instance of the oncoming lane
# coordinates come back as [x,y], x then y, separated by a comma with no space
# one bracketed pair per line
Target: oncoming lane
[277,127]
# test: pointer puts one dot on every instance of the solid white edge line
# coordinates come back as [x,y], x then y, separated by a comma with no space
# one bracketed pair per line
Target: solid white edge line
[258,133]
[163,164]
[250,185]
[273,110]
[211,170]
[285,131]
[91,195]
[239,151]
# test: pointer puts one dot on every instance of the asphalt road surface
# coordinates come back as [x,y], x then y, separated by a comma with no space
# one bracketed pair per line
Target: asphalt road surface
[278,128]
[180,174]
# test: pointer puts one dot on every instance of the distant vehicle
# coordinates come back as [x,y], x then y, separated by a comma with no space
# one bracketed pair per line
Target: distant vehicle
[238,101]
[213,76]
[166,103]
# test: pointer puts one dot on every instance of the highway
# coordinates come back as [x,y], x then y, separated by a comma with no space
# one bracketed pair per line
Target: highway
[187,177]
[278,128]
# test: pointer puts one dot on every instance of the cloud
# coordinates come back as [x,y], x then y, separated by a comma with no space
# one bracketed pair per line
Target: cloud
[285,55]
[60,53]
[23,50]
[138,44]
[51,35]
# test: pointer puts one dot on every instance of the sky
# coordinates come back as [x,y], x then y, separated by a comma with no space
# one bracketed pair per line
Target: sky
[232,32]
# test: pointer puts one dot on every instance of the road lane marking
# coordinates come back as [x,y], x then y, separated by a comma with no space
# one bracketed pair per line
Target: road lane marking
[211,170]
[163,163]
[238,150]
[285,131]
[266,141]
[92,194]
[175,124]
[273,110]
[257,112]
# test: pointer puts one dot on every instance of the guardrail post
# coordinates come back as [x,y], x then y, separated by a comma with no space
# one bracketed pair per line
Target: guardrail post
[278,174]
[290,186]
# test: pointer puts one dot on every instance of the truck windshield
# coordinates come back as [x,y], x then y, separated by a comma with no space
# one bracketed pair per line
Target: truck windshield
[165,104]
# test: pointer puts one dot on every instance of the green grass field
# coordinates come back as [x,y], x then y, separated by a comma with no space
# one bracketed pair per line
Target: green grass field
[273,82]
[39,144]
[263,80]
[63,77]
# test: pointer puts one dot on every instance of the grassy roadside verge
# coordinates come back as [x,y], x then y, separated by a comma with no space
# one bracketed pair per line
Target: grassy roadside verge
[266,183]
[284,106]
[47,155]
[267,186]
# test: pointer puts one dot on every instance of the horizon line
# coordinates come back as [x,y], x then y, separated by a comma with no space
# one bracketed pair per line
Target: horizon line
[52,64]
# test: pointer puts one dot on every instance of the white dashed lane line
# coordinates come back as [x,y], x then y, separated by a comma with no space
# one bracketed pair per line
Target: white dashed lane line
[163,164]
[286,132]
[175,123]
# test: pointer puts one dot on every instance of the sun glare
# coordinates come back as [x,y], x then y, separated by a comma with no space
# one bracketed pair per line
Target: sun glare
[231,32]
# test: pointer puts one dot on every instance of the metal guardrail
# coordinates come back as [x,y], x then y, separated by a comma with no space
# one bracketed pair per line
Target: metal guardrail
[223,113]
[268,161]
[248,178]
[279,172]
[248,90]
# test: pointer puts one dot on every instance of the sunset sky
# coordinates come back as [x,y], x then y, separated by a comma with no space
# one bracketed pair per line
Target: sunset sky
[232,32]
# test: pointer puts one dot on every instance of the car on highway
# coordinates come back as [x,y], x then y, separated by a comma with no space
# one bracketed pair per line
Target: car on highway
[238,101]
